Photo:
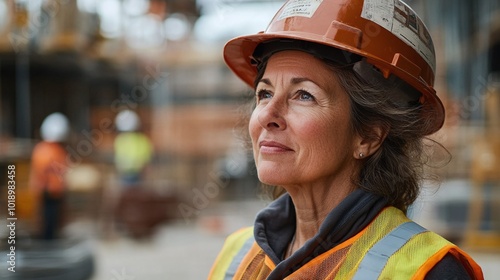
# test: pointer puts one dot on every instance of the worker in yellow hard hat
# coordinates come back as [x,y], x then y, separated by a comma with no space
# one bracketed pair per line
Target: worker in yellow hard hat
[343,98]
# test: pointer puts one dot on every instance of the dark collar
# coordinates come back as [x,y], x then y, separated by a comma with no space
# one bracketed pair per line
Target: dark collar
[275,227]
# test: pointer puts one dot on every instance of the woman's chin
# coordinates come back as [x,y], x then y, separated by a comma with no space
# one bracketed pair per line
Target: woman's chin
[272,178]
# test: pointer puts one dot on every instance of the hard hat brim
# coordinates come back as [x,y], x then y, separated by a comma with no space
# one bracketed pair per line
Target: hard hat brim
[238,55]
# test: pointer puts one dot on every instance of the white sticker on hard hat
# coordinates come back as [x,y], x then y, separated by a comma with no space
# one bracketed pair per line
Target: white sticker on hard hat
[402,21]
[299,8]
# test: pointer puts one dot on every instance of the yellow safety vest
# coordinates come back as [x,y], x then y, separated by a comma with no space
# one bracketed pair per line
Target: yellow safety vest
[390,247]
[133,151]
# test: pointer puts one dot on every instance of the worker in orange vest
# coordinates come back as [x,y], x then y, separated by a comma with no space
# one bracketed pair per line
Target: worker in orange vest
[48,168]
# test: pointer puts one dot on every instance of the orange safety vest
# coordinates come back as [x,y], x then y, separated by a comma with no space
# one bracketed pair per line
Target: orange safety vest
[390,247]
[48,167]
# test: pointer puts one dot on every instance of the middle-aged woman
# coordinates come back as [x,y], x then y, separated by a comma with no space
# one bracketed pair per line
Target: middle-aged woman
[344,98]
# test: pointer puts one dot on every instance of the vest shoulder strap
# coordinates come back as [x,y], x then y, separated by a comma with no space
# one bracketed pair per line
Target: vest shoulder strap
[238,258]
[376,258]
[235,248]
[405,250]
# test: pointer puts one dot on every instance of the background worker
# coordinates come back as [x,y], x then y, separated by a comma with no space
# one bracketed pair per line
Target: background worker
[47,173]
[133,149]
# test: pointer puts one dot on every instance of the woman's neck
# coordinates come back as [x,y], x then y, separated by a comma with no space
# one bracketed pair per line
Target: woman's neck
[312,205]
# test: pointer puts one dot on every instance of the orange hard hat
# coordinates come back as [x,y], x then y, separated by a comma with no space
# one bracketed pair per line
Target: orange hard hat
[387,34]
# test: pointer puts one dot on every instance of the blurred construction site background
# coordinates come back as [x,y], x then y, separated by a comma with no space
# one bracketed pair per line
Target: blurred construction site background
[160,60]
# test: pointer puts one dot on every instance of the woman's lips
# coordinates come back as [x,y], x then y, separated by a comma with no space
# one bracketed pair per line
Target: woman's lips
[273,147]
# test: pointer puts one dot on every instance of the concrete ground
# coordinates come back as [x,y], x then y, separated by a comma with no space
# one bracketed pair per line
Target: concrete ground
[186,250]
[178,250]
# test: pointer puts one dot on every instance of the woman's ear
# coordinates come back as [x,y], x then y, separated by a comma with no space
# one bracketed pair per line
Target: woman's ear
[368,144]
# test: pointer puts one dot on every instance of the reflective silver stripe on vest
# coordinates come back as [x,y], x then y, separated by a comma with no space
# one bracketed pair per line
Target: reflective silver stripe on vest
[233,267]
[376,258]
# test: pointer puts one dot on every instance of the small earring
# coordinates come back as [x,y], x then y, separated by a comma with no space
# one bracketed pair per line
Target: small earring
[361,155]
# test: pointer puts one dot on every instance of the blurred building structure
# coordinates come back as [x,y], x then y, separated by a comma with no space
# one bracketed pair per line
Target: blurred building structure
[89,59]
[467,39]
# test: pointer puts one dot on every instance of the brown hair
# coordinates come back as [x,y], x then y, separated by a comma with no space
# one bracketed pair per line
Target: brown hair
[396,169]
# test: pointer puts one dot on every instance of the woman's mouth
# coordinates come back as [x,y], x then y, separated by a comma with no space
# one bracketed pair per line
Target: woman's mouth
[273,147]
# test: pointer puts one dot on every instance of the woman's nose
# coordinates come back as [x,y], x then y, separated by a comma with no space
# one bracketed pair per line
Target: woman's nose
[272,116]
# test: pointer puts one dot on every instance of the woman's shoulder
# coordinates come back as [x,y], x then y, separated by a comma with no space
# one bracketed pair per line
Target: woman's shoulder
[448,268]
[234,243]
[240,236]
[237,241]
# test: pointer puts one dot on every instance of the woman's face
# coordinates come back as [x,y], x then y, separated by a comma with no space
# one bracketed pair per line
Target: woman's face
[300,128]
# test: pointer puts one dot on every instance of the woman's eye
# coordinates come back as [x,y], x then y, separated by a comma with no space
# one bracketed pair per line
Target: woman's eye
[304,95]
[263,94]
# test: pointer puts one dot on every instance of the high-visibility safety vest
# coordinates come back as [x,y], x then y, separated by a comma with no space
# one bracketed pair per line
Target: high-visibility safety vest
[390,247]
[48,167]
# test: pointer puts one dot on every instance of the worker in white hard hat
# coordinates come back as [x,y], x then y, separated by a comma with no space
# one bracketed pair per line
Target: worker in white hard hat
[47,172]
[133,149]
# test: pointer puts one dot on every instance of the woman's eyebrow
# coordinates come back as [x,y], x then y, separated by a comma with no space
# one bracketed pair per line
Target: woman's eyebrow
[294,81]
[299,80]
[266,81]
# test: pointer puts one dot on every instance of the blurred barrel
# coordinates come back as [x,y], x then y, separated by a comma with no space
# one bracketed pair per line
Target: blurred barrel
[141,210]
[61,259]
